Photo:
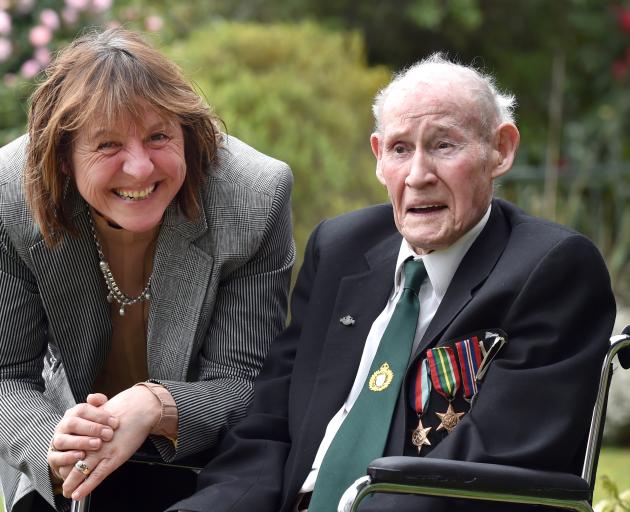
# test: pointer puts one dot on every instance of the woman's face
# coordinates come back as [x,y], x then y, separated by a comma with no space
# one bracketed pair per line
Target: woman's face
[130,172]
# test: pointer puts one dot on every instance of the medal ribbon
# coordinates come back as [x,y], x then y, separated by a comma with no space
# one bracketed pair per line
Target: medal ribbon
[444,374]
[469,356]
[491,353]
[420,388]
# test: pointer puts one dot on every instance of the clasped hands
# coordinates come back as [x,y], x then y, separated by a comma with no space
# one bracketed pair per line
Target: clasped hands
[103,434]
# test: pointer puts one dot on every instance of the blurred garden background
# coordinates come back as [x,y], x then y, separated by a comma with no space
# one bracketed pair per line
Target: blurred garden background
[295,79]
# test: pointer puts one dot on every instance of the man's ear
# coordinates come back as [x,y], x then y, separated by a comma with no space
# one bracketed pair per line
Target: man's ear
[375,142]
[504,146]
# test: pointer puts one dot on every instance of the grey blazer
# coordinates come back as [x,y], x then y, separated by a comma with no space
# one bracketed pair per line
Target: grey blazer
[219,296]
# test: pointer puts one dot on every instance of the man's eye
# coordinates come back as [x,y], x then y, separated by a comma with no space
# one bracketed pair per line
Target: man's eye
[444,145]
[399,149]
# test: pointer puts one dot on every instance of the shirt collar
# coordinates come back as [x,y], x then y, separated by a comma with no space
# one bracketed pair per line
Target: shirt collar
[442,264]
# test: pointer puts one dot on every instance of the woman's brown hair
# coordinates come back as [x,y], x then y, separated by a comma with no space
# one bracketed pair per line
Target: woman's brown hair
[111,74]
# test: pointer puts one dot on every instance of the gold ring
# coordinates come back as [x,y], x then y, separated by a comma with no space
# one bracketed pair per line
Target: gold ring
[82,467]
[51,446]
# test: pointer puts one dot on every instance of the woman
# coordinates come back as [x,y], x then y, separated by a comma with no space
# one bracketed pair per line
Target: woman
[144,264]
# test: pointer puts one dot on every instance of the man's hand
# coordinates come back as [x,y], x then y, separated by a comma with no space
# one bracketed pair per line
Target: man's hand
[137,410]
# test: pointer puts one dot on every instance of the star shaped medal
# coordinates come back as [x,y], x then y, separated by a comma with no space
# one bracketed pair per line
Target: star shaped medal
[446,381]
[420,398]
[449,419]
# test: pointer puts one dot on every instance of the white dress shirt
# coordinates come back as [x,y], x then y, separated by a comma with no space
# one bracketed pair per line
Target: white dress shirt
[440,266]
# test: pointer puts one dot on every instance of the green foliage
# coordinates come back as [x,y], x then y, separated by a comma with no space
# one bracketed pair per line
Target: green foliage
[301,94]
[595,200]
[615,501]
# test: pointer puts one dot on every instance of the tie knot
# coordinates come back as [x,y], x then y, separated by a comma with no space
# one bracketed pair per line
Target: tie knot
[414,275]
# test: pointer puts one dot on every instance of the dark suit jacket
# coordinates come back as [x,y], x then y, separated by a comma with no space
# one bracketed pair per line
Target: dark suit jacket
[546,286]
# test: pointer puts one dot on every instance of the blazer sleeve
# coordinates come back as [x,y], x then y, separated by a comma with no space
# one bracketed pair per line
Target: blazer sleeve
[250,312]
[536,401]
[247,473]
[28,416]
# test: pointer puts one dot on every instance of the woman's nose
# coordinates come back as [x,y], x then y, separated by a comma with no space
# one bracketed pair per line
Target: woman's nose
[138,163]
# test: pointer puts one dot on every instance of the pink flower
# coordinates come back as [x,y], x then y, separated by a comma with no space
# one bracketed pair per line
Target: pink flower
[619,69]
[25,6]
[623,17]
[30,68]
[50,19]
[10,79]
[6,48]
[153,23]
[70,15]
[40,35]
[101,5]
[5,23]
[79,5]
[42,55]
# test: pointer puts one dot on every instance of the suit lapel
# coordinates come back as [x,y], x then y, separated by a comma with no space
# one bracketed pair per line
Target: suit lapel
[470,275]
[363,296]
[182,274]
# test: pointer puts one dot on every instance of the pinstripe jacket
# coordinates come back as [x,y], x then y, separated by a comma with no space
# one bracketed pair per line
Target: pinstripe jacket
[218,299]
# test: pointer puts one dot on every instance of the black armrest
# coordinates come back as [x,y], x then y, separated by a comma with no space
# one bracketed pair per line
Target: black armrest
[474,476]
[147,454]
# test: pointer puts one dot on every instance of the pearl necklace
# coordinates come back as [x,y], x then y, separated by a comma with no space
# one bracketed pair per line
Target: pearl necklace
[115,293]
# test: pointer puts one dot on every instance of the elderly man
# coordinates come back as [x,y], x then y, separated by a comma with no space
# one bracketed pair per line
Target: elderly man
[391,298]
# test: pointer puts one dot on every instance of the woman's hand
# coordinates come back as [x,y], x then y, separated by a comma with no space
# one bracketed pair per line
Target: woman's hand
[83,429]
[137,410]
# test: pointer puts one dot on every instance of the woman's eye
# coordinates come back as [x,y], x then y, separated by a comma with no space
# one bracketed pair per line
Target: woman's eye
[107,146]
[159,137]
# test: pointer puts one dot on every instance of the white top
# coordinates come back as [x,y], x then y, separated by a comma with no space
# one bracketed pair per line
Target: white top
[441,266]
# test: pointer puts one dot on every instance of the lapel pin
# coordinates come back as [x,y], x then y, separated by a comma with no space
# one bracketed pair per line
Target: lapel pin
[347,320]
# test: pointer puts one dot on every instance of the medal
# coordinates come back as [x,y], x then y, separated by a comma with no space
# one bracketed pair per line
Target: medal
[446,380]
[419,398]
[469,356]
[491,353]
[449,419]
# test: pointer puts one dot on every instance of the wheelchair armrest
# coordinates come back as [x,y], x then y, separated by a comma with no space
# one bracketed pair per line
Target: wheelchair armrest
[148,455]
[475,476]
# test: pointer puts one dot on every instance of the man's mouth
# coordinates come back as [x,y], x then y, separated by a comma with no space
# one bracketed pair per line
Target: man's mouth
[135,195]
[426,209]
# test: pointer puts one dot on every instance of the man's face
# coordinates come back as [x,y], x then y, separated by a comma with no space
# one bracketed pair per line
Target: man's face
[435,162]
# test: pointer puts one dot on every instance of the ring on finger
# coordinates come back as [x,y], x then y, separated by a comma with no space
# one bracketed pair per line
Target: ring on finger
[51,446]
[82,467]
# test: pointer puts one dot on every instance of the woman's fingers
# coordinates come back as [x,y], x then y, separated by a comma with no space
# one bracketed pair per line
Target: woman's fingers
[59,462]
[64,442]
[90,413]
[86,475]
[96,399]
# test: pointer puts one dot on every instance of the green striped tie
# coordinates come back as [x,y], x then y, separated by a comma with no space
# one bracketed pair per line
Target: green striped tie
[362,436]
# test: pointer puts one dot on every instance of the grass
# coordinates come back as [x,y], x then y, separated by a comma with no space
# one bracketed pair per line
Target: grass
[613,462]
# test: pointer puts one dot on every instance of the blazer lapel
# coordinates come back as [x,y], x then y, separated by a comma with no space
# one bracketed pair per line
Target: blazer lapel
[73,293]
[180,284]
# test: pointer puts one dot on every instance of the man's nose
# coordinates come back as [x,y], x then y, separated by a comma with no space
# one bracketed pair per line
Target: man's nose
[421,170]
[138,163]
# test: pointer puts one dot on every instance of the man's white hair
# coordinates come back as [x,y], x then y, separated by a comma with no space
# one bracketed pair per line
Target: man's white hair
[495,107]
